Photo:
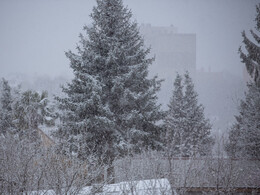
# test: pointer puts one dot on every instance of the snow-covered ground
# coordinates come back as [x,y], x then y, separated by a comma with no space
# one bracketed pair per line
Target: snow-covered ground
[143,187]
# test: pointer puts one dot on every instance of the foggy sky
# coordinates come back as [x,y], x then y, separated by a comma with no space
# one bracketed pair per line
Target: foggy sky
[34,34]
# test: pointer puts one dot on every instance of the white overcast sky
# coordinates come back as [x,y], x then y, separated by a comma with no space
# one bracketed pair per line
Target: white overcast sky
[34,34]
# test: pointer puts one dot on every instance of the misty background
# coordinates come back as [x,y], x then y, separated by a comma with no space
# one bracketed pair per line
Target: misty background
[35,34]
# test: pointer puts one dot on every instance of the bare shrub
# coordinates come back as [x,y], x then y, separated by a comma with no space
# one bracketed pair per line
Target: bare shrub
[29,168]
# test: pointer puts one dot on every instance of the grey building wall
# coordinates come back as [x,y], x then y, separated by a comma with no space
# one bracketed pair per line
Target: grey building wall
[173,52]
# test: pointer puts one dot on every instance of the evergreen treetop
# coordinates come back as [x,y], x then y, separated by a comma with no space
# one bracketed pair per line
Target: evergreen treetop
[252,58]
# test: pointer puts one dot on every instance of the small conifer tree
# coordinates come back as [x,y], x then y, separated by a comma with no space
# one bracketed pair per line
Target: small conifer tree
[188,132]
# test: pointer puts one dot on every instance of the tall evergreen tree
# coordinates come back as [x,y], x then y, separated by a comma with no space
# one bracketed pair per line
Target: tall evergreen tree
[188,132]
[244,136]
[252,58]
[6,114]
[110,101]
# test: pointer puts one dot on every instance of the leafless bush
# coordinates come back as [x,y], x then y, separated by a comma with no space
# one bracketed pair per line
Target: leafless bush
[18,170]
[226,175]
[211,174]
[28,168]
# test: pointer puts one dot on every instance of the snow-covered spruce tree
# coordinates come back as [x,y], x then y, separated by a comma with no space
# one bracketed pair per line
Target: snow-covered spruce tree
[188,132]
[244,136]
[6,115]
[31,109]
[198,128]
[174,120]
[86,122]
[252,58]
[111,104]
